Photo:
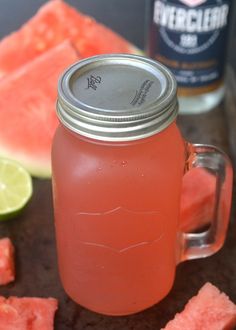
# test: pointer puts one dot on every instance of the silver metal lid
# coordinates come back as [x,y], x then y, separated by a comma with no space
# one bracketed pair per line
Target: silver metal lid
[117,97]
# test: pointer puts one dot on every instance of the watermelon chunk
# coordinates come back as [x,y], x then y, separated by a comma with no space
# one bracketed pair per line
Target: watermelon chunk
[27,313]
[55,22]
[27,109]
[7,269]
[210,309]
[197,199]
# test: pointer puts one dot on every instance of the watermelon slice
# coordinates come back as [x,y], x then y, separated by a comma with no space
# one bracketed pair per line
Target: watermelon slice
[7,269]
[210,309]
[197,200]
[31,60]
[27,109]
[27,313]
[55,22]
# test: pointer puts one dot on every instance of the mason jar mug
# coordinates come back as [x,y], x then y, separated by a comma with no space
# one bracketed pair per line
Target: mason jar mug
[118,160]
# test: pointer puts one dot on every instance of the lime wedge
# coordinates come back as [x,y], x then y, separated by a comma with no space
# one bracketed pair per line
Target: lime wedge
[15,188]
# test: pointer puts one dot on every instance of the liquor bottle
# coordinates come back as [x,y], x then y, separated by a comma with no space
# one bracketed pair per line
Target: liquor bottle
[190,38]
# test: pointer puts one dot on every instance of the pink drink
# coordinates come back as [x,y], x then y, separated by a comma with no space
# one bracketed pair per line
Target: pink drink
[117,161]
[116,210]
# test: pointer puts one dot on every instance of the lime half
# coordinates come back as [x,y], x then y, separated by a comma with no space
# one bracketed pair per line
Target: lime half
[15,188]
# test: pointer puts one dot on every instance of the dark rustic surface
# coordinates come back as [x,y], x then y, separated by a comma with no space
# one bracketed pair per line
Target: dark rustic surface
[33,231]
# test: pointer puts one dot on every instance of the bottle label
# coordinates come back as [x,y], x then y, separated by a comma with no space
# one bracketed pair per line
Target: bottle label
[190,39]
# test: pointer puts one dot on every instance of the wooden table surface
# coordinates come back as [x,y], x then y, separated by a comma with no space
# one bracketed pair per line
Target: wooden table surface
[33,231]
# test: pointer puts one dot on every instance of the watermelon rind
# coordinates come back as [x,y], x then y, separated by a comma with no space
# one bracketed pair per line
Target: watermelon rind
[34,167]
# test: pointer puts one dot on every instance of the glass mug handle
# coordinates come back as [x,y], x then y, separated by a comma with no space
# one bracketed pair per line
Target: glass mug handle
[199,245]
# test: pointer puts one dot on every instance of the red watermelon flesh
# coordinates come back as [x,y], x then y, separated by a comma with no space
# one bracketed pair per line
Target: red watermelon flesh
[27,109]
[210,309]
[55,22]
[7,269]
[197,200]
[27,313]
